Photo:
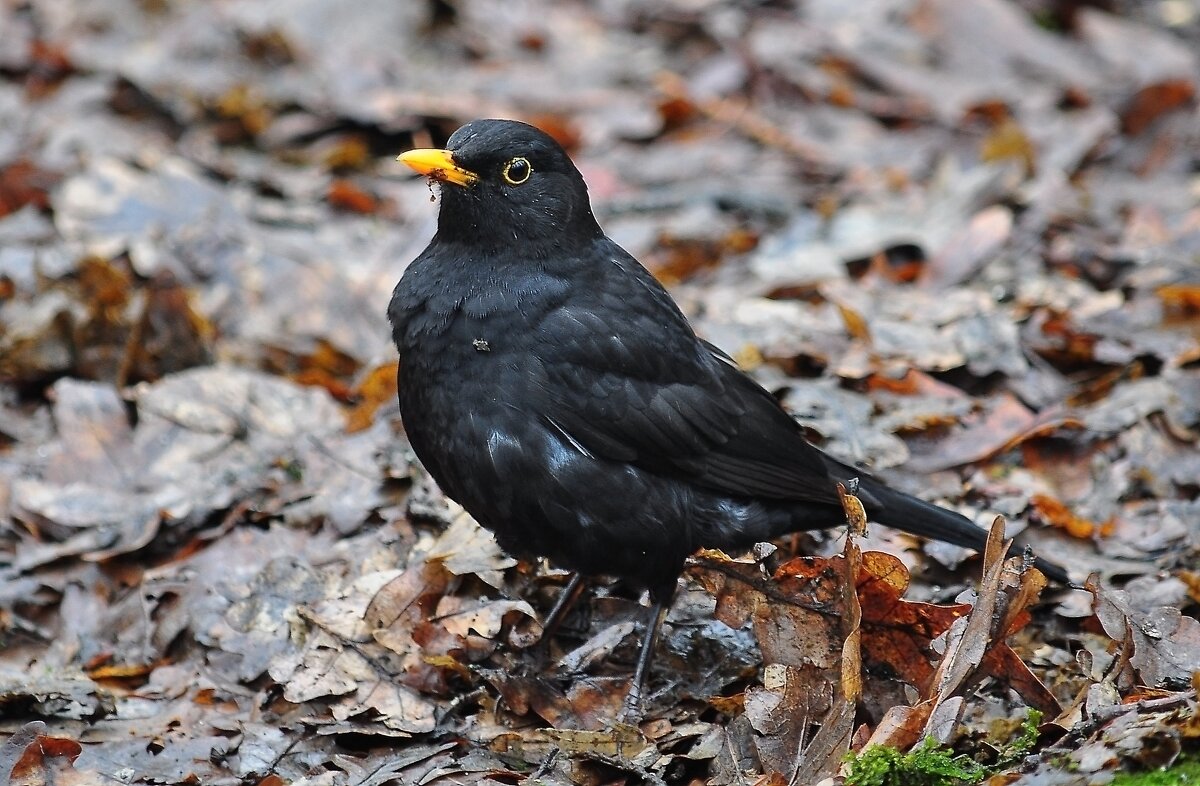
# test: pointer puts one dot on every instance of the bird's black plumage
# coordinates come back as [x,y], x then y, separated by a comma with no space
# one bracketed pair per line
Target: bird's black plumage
[552,387]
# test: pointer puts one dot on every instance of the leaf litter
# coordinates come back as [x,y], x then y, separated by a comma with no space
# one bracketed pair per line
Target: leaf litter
[958,241]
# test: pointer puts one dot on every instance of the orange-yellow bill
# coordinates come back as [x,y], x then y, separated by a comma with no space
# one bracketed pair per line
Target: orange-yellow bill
[439,165]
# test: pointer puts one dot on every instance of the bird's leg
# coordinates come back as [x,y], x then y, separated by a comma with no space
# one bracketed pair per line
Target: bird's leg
[566,599]
[658,613]
[562,604]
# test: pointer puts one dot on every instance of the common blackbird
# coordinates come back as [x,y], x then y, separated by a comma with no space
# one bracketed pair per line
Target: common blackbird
[552,387]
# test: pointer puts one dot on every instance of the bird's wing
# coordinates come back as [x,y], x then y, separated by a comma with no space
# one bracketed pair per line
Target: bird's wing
[648,392]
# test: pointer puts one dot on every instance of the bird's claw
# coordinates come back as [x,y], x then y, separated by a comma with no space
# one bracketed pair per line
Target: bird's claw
[631,709]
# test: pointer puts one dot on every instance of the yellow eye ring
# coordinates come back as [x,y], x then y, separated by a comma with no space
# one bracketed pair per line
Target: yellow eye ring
[517,171]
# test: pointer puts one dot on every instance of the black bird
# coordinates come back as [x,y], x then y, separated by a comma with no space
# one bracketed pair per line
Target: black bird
[552,387]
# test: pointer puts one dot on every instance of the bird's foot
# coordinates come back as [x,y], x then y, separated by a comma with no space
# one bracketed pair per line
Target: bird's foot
[546,765]
[631,709]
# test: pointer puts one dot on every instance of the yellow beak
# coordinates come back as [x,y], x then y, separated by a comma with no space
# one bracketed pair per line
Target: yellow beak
[439,165]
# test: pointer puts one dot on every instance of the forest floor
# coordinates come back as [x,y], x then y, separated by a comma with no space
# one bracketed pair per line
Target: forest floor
[961,241]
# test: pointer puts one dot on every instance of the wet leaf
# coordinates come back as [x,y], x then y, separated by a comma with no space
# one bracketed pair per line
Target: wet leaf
[1166,643]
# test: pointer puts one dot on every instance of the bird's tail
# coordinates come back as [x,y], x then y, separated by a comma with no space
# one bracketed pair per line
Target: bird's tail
[901,511]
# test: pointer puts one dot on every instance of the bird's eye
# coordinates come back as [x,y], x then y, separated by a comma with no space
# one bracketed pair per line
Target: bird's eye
[517,171]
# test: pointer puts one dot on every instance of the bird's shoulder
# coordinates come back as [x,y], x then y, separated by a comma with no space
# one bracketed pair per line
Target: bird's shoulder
[626,377]
[451,288]
[617,319]
[421,288]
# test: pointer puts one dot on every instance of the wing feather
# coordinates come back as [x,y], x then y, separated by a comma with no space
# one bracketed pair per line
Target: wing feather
[659,397]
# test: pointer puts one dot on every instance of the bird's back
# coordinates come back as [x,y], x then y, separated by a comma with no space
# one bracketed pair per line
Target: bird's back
[554,388]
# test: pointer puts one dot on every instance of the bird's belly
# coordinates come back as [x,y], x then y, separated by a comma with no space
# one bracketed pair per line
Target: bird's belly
[460,391]
[475,414]
[450,402]
[482,438]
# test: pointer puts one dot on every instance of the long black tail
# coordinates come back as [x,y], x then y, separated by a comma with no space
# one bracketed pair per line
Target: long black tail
[909,514]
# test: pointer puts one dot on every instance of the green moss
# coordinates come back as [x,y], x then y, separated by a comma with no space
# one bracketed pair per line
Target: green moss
[1183,772]
[1022,743]
[926,765]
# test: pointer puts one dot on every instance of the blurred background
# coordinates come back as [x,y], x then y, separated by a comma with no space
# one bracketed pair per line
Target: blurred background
[961,238]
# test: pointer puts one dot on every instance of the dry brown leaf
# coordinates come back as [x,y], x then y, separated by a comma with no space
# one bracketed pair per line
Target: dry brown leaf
[1008,142]
[1054,512]
[856,326]
[588,704]
[1166,644]
[897,633]
[466,548]
[1183,297]
[1004,424]
[826,751]
[724,578]
[480,617]
[48,760]
[852,507]
[1154,101]
[902,727]
[374,389]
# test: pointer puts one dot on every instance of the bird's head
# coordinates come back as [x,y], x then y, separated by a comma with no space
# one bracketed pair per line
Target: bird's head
[506,183]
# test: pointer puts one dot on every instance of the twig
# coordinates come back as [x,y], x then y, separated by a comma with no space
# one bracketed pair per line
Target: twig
[1087,728]
[766,587]
[746,121]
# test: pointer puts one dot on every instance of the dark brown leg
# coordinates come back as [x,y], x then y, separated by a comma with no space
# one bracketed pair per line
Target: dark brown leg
[562,604]
[658,612]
